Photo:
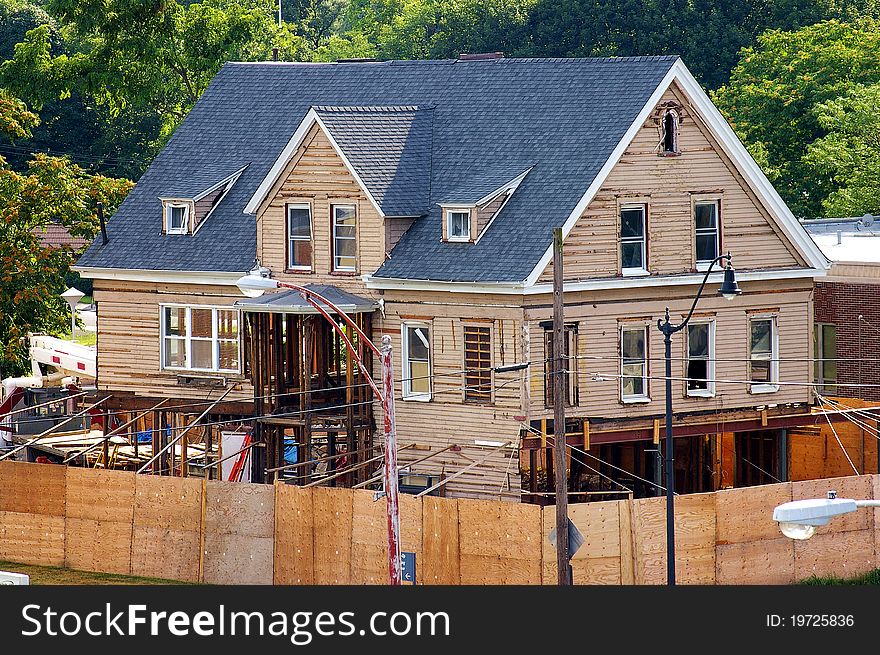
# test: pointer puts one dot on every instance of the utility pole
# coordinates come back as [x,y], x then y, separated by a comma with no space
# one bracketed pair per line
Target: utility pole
[559,365]
[391,492]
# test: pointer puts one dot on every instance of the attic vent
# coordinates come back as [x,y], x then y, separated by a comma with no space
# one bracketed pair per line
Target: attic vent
[480,56]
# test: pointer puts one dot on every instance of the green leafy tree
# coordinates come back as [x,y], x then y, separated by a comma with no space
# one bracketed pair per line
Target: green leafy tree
[774,95]
[849,154]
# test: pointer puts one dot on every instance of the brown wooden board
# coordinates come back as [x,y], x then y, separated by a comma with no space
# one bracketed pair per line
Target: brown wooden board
[167,528]
[369,540]
[32,488]
[103,546]
[746,514]
[440,541]
[332,535]
[239,533]
[843,554]
[294,527]
[598,559]
[767,561]
[32,538]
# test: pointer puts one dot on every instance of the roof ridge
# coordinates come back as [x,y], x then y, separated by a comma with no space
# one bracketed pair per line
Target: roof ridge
[417,62]
[371,108]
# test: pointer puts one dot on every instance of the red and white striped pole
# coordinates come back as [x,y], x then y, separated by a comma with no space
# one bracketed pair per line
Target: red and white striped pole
[391,493]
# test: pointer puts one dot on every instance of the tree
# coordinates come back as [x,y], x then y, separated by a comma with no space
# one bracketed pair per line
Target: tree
[52,190]
[849,154]
[776,89]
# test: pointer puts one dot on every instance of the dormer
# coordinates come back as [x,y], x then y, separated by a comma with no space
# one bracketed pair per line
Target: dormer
[182,214]
[467,219]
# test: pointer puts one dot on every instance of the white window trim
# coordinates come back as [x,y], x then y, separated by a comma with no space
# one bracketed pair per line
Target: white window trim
[406,384]
[181,230]
[640,270]
[773,385]
[187,339]
[333,207]
[703,264]
[635,398]
[709,391]
[291,239]
[449,211]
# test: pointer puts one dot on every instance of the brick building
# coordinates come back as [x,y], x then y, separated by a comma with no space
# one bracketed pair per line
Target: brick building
[847,308]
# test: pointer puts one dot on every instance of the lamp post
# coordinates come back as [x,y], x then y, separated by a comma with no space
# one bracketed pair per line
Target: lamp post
[253,285]
[72,296]
[728,290]
[800,518]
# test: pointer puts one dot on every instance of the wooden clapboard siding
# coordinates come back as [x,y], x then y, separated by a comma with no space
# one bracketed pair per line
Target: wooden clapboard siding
[599,316]
[128,337]
[485,213]
[317,175]
[668,185]
[394,229]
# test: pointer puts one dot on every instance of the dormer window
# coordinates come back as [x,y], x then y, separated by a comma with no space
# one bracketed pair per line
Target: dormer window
[176,218]
[670,132]
[458,224]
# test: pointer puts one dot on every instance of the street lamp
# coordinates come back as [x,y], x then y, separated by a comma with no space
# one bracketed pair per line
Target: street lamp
[800,518]
[72,296]
[728,290]
[257,282]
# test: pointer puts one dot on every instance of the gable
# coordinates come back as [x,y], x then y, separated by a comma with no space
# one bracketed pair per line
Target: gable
[669,186]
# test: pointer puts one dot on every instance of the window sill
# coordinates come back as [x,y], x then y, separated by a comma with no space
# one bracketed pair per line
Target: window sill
[702,267]
[344,273]
[635,400]
[419,398]
[299,271]
[764,388]
[634,272]
[700,393]
[466,239]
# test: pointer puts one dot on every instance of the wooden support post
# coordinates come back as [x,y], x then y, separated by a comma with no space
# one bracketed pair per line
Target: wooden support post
[156,435]
[560,380]
[308,359]
[586,434]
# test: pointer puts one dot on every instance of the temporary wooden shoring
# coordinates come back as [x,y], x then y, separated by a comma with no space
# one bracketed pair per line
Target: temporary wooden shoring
[320,459]
[351,468]
[48,402]
[46,433]
[171,443]
[220,461]
[114,433]
[376,478]
[462,471]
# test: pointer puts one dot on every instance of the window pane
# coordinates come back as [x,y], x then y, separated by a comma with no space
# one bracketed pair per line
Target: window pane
[229,355]
[175,353]
[459,224]
[227,324]
[698,374]
[633,381]
[760,337]
[829,352]
[300,253]
[698,340]
[417,344]
[760,370]
[707,247]
[633,344]
[344,215]
[420,382]
[202,320]
[706,215]
[202,354]
[177,218]
[298,222]
[631,255]
[175,321]
[632,223]
[346,232]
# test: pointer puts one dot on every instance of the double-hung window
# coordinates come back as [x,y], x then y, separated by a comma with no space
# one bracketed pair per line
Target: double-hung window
[633,240]
[634,363]
[344,237]
[763,355]
[416,361]
[706,222]
[458,225]
[200,338]
[299,237]
[826,357]
[176,218]
[701,358]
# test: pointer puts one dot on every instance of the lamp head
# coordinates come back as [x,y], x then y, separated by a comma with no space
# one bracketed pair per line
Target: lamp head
[255,283]
[729,289]
[800,518]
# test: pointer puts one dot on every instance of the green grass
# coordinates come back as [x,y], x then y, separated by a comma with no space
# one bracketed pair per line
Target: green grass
[83,337]
[51,575]
[869,578]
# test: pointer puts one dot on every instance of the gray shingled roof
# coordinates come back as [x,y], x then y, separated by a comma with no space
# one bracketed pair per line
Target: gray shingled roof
[563,117]
[292,302]
[482,183]
[390,148]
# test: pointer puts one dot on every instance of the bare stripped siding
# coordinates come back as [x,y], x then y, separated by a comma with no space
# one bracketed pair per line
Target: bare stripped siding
[128,337]
[668,185]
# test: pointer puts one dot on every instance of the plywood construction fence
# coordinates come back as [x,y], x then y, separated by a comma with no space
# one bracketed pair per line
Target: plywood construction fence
[238,533]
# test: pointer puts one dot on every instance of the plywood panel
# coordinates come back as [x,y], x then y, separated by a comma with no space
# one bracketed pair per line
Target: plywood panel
[239,533]
[746,514]
[165,553]
[369,540]
[100,495]
[440,541]
[332,535]
[32,488]
[32,538]
[598,560]
[294,534]
[768,561]
[843,554]
[98,545]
